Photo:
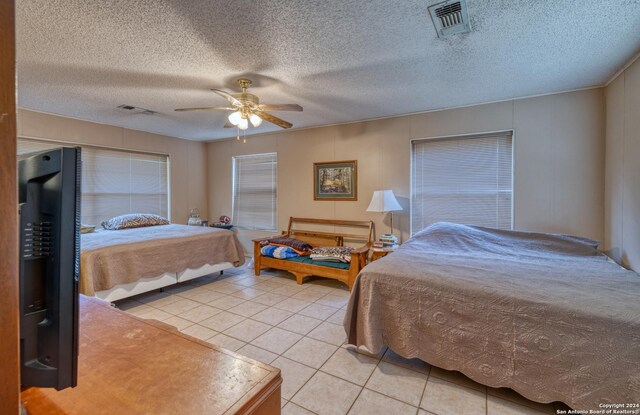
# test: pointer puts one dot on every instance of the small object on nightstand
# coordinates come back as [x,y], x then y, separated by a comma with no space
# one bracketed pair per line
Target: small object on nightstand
[221,225]
[388,239]
[194,218]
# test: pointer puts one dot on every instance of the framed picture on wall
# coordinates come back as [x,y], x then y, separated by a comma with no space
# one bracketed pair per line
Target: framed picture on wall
[336,180]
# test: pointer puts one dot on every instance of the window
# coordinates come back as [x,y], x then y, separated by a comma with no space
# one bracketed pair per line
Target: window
[116,182]
[466,180]
[254,191]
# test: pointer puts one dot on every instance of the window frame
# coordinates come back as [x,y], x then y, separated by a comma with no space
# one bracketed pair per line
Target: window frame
[413,141]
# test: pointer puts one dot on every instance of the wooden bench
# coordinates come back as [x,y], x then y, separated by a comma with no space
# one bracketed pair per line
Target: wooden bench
[363,232]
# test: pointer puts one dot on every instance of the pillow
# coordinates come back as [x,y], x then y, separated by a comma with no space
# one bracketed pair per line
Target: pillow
[332,254]
[134,220]
[300,247]
[280,252]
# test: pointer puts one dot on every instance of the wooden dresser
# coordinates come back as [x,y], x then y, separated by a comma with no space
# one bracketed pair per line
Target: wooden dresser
[132,366]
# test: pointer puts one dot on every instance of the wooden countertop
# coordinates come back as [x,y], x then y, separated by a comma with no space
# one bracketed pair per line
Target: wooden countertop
[128,365]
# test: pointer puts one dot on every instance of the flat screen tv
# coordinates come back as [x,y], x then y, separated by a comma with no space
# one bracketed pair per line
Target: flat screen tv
[49,206]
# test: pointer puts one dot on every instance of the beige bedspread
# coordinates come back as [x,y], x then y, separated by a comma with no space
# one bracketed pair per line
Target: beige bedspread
[109,258]
[545,315]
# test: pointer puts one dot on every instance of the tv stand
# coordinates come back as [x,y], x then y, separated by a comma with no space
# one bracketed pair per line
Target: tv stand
[128,365]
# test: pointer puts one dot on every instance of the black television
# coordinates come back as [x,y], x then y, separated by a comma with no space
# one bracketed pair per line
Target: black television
[49,206]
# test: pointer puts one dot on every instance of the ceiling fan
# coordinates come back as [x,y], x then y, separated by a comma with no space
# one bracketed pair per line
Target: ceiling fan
[246,108]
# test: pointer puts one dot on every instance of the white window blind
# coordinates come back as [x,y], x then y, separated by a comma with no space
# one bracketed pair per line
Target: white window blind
[255,191]
[465,180]
[116,182]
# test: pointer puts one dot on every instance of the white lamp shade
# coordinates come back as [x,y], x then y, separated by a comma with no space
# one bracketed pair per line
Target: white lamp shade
[255,120]
[243,124]
[234,117]
[383,201]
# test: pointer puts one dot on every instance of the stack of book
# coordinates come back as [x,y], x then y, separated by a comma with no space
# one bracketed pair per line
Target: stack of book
[388,239]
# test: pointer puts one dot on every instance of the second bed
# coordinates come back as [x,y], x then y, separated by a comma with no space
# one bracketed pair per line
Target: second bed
[546,315]
[116,264]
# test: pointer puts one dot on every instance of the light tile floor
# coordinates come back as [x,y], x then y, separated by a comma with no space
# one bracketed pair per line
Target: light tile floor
[298,328]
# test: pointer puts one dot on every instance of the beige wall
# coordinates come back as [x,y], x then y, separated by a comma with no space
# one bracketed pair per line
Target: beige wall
[187,158]
[559,162]
[622,178]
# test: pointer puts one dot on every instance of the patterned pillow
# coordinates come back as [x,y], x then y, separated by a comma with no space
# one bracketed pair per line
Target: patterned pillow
[134,220]
[301,248]
[281,252]
[332,254]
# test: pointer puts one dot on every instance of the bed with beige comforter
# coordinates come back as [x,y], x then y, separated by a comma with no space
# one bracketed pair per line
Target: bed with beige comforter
[546,315]
[112,257]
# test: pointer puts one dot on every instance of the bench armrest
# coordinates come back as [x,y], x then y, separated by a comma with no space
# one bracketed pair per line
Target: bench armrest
[359,257]
[363,249]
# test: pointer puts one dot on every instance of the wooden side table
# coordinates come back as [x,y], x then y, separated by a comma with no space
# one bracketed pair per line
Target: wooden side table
[377,253]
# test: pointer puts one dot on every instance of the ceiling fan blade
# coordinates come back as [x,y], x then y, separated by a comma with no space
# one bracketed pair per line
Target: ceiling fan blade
[206,108]
[280,107]
[273,119]
[227,96]
[229,125]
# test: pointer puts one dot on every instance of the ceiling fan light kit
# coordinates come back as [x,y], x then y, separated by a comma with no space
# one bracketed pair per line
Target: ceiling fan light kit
[246,108]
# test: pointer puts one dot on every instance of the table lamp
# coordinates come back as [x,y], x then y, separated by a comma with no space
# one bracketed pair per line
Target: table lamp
[384,201]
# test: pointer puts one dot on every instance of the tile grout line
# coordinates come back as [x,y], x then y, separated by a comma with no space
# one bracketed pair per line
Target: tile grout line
[311,377]
[486,400]
[424,390]
[367,381]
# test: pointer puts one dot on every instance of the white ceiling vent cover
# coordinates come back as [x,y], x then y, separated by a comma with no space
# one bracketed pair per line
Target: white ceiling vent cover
[450,17]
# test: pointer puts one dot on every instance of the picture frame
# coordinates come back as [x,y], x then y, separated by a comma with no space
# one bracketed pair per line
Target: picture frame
[335,180]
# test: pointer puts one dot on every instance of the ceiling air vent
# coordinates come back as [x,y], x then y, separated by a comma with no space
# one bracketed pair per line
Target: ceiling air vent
[130,109]
[450,17]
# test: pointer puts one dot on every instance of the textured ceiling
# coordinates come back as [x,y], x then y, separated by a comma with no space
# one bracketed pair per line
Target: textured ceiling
[342,60]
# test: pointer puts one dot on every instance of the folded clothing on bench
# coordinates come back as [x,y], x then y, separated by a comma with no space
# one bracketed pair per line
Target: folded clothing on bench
[308,260]
[280,252]
[300,247]
[332,253]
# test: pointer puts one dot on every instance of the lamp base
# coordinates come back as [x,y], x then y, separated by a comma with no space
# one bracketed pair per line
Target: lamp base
[391,225]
